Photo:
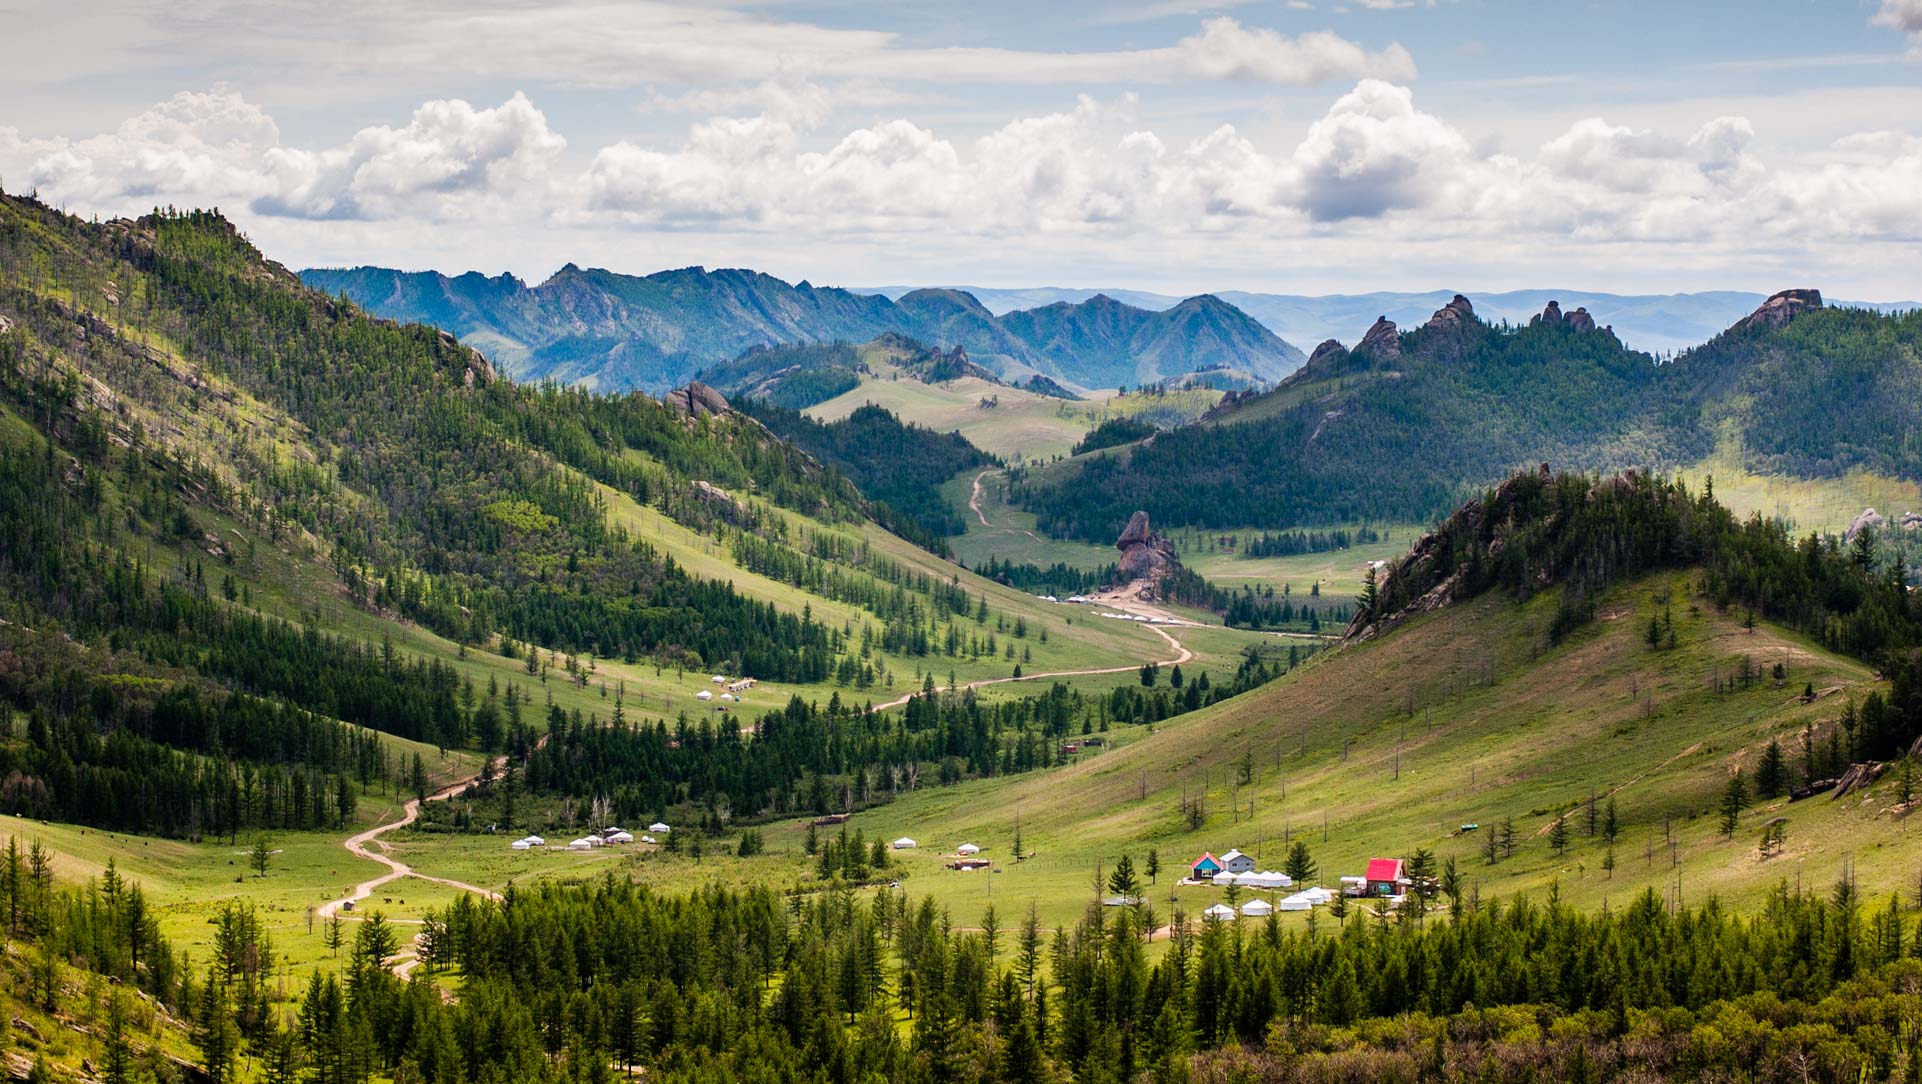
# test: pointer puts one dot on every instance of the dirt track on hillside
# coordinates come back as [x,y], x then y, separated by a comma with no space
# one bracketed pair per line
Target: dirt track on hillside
[357,845]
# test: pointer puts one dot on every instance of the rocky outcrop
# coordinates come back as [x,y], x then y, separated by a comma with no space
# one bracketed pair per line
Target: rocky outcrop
[695,400]
[1579,320]
[1445,334]
[1779,309]
[1454,316]
[478,370]
[1328,356]
[1383,341]
[1145,555]
[725,504]
[6,325]
[1870,519]
[1911,521]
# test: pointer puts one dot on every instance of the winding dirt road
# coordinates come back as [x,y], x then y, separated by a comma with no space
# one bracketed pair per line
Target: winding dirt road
[974,505]
[359,847]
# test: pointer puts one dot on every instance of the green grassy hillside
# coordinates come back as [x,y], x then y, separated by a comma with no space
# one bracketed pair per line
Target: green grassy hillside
[1501,726]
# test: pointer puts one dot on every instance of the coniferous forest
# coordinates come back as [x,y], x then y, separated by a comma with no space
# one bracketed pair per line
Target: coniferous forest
[588,980]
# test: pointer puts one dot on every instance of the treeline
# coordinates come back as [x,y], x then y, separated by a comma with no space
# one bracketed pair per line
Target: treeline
[1252,609]
[896,465]
[808,757]
[1296,543]
[1059,579]
[1118,430]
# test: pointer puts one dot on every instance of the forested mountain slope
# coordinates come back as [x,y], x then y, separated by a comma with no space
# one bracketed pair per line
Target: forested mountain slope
[654,331]
[1406,423]
[226,497]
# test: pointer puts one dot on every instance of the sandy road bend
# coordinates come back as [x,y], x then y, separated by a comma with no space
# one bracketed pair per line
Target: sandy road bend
[358,846]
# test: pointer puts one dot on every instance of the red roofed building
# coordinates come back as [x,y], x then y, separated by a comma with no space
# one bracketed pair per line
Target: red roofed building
[1385,877]
[1204,868]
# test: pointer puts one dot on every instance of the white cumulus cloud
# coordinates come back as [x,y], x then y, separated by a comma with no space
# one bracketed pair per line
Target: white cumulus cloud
[1375,176]
[1225,49]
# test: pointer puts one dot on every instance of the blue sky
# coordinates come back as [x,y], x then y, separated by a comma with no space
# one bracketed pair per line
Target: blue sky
[1164,144]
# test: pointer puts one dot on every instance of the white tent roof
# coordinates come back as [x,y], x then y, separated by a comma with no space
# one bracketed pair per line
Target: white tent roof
[1257,908]
[520,845]
[1294,903]
[704,695]
[1267,879]
[647,839]
[904,843]
[967,848]
[620,837]
[1218,913]
[535,840]
[657,826]
[1226,878]
[582,844]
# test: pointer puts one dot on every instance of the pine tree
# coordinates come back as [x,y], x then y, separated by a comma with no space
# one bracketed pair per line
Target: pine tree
[1771,776]
[1611,824]
[1300,865]
[1558,836]
[1734,798]
[214,1033]
[117,1066]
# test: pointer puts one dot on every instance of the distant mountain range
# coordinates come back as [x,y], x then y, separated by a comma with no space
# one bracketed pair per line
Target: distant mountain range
[1656,323]
[617,331]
